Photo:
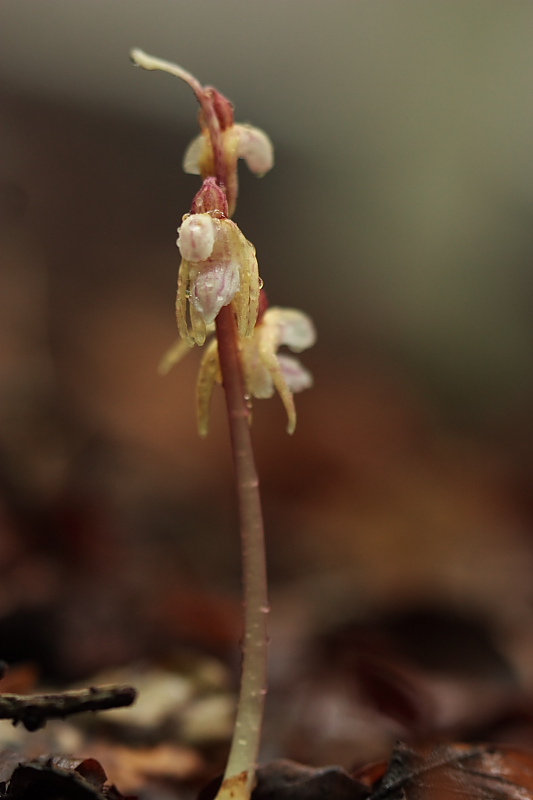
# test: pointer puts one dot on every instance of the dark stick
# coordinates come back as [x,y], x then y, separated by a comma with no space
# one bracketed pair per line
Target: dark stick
[33,711]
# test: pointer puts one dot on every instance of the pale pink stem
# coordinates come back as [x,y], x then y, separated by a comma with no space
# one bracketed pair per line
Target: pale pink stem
[240,771]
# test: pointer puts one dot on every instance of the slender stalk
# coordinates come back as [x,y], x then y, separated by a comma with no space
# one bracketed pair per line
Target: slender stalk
[142,59]
[239,777]
[240,771]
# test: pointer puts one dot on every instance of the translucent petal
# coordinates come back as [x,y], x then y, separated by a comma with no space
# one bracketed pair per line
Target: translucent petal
[271,362]
[181,303]
[294,328]
[198,326]
[247,301]
[196,237]
[173,355]
[235,248]
[296,376]
[208,376]
[259,380]
[214,287]
[255,148]
[193,154]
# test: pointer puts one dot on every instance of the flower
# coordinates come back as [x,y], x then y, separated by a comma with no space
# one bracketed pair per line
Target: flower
[238,141]
[214,153]
[264,370]
[218,267]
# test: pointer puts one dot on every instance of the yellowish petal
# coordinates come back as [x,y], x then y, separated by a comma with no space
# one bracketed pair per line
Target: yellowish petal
[269,359]
[208,376]
[198,158]
[246,301]
[193,155]
[173,355]
[258,379]
[198,325]
[182,302]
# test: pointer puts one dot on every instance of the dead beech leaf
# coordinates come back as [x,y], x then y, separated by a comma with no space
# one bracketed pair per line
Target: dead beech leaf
[20,679]
[455,772]
[287,780]
[47,780]
[130,768]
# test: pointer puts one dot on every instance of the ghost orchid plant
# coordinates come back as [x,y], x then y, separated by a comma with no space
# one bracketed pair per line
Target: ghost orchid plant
[220,294]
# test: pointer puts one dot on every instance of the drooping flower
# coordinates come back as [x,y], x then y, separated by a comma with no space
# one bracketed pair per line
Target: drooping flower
[218,267]
[222,142]
[264,369]
[238,141]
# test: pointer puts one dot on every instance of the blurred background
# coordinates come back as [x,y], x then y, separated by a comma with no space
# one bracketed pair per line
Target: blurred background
[399,216]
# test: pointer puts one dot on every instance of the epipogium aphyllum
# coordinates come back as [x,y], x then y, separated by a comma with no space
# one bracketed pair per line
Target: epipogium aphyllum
[220,293]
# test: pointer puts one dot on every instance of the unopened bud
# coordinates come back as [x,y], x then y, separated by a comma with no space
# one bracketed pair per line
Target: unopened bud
[210,198]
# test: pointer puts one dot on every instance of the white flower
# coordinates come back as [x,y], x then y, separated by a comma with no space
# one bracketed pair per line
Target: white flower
[219,133]
[238,141]
[218,267]
[264,370]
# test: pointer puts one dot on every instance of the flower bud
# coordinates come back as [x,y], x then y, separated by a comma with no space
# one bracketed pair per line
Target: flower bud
[210,198]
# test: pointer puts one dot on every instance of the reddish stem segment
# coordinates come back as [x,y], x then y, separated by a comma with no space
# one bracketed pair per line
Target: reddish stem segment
[245,745]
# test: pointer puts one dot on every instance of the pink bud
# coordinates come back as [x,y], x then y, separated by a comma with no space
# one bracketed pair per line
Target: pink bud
[196,237]
[210,198]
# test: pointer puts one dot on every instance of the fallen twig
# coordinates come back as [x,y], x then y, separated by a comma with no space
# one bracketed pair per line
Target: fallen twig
[33,711]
